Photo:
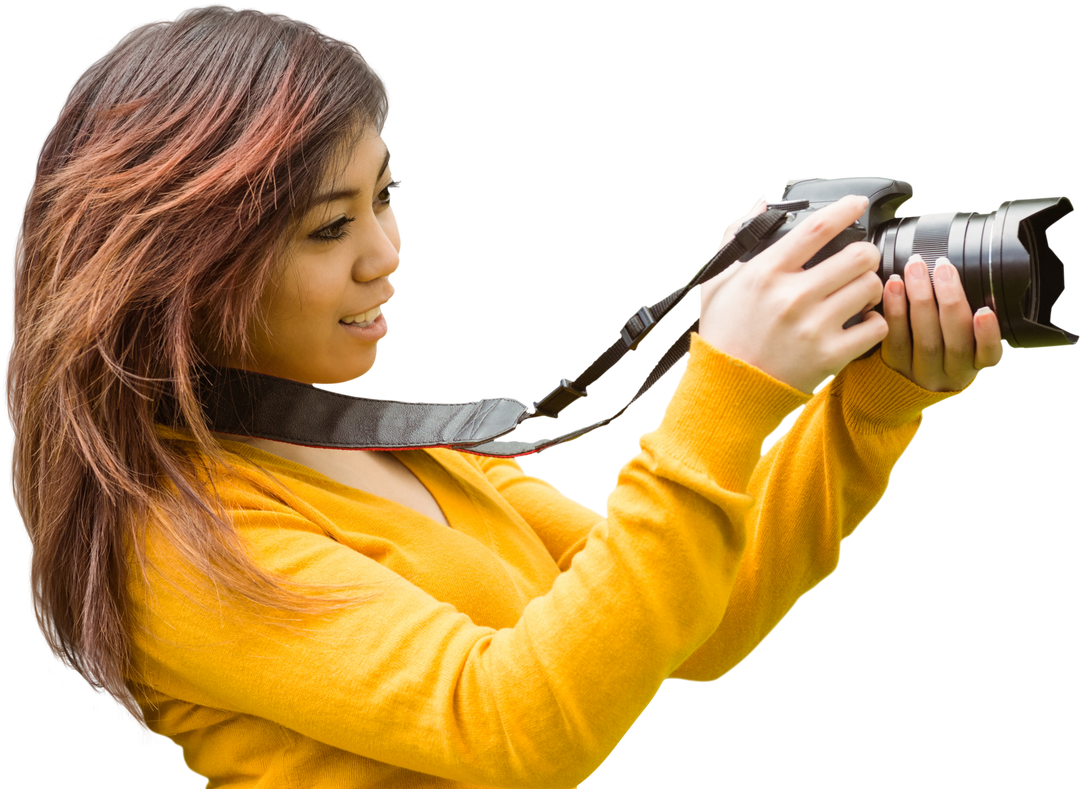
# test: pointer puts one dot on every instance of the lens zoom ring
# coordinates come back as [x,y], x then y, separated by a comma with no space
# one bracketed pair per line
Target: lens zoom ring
[931,235]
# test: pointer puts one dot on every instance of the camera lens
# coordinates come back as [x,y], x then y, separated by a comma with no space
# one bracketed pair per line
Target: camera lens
[1002,258]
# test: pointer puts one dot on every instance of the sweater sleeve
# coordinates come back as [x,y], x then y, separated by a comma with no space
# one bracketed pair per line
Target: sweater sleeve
[561,523]
[405,679]
[810,491]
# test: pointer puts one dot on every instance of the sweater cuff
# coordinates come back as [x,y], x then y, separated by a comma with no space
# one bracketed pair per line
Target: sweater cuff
[876,398]
[721,413]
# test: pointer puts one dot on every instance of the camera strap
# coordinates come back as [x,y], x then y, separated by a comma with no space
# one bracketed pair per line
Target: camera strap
[239,402]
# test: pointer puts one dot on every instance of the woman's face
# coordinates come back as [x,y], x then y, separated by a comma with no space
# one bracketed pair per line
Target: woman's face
[336,270]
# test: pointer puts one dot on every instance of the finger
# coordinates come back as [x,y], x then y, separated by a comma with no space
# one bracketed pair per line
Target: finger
[759,205]
[957,332]
[989,347]
[836,273]
[860,338]
[813,233]
[927,345]
[896,348]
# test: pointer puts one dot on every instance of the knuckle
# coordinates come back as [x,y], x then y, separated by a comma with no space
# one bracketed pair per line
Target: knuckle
[816,226]
[947,297]
[867,254]
[929,347]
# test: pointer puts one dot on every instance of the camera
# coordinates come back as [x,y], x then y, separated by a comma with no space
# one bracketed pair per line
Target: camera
[1002,258]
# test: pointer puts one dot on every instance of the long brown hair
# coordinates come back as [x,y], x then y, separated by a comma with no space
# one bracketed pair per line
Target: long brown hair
[163,199]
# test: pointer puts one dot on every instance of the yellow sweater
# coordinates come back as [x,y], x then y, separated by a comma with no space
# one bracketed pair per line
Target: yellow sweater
[515,648]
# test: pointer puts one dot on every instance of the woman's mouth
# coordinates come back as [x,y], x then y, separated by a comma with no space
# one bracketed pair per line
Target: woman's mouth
[367,326]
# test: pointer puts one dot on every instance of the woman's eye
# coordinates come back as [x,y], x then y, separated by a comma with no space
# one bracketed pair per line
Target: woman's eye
[337,231]
[334,232]
[393,186]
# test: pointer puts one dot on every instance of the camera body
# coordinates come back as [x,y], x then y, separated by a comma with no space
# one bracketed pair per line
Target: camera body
[1002,258]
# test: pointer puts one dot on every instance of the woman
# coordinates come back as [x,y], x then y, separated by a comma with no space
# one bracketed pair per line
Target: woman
[159,216]
[508,634]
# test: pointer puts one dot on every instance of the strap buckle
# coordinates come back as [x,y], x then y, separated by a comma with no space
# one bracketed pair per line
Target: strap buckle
[639,325]
[558,399]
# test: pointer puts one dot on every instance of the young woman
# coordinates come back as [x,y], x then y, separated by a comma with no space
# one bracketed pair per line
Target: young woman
[216,190]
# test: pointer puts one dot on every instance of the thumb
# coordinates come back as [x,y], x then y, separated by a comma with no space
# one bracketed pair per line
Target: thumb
[733,228]
[709,288]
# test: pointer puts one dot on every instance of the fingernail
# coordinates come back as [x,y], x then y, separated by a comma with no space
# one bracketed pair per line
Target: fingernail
[895,284]
[915,257]
[982,311]
[943,270]
[761,203]
[915,268]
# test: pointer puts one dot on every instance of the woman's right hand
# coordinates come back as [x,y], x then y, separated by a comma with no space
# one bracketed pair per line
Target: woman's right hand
[788,321]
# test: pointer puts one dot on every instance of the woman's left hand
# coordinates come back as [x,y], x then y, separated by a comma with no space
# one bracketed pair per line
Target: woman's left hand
[943,346]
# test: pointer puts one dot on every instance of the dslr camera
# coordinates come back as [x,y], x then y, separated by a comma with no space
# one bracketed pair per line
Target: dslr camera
[1002,258]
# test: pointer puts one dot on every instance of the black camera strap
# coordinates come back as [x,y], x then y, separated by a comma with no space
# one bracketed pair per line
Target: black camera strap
[243,403]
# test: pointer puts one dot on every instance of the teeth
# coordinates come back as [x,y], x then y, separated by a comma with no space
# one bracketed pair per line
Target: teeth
[364,317]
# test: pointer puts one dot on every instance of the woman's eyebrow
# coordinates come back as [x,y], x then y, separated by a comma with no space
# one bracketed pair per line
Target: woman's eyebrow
[338,194]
